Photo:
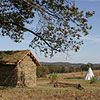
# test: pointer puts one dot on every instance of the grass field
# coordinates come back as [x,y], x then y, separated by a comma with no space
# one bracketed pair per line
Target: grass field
[45,91]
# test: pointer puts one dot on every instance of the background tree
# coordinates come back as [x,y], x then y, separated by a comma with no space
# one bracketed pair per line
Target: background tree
[60,23]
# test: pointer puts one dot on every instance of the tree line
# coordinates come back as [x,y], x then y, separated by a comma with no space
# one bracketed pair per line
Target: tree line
[41,70]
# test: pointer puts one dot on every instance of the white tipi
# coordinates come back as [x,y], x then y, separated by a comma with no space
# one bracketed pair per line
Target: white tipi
[89,74]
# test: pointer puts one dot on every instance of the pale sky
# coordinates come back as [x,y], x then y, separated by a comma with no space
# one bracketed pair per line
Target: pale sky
[89,52]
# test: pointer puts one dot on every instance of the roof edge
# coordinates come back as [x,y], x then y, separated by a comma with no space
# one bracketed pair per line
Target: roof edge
[30,53]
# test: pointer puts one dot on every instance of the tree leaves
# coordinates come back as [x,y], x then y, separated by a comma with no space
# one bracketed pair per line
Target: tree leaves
[60,23]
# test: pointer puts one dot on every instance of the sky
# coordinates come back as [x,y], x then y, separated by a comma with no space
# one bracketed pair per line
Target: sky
[89,52]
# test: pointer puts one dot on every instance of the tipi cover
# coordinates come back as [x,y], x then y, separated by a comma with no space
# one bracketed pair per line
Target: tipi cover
[89,74]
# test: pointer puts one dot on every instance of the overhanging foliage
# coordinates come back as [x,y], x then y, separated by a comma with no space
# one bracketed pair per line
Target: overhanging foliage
[60,23]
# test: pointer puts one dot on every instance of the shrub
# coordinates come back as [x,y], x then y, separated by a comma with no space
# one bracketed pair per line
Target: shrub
[53,77]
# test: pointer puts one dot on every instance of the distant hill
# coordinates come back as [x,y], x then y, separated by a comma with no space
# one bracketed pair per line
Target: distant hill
[60,63]
[63,64]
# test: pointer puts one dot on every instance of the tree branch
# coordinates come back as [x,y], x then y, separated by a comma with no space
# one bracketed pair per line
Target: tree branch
[36,34]
[42,10]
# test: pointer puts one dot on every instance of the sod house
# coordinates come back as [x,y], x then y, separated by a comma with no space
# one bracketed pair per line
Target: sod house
[18,68]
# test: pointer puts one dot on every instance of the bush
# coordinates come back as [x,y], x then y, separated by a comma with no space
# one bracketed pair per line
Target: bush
[53,77]
[93,80]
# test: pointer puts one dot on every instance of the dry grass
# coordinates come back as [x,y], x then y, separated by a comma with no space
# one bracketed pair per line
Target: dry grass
[77,75]
[46,91]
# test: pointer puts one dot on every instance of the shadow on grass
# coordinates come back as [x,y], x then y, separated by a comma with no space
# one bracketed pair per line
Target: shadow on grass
[3,87]
[74,78]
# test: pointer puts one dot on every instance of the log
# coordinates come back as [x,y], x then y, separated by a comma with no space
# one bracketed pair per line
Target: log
[60,84]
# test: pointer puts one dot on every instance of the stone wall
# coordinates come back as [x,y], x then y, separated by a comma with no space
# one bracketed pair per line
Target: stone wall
[7,75]
[26,73]
[22,75]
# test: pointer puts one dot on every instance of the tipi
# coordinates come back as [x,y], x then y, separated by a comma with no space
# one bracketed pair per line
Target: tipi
[89,74]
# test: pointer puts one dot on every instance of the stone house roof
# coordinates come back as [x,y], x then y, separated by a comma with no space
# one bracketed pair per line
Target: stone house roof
[14,57]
